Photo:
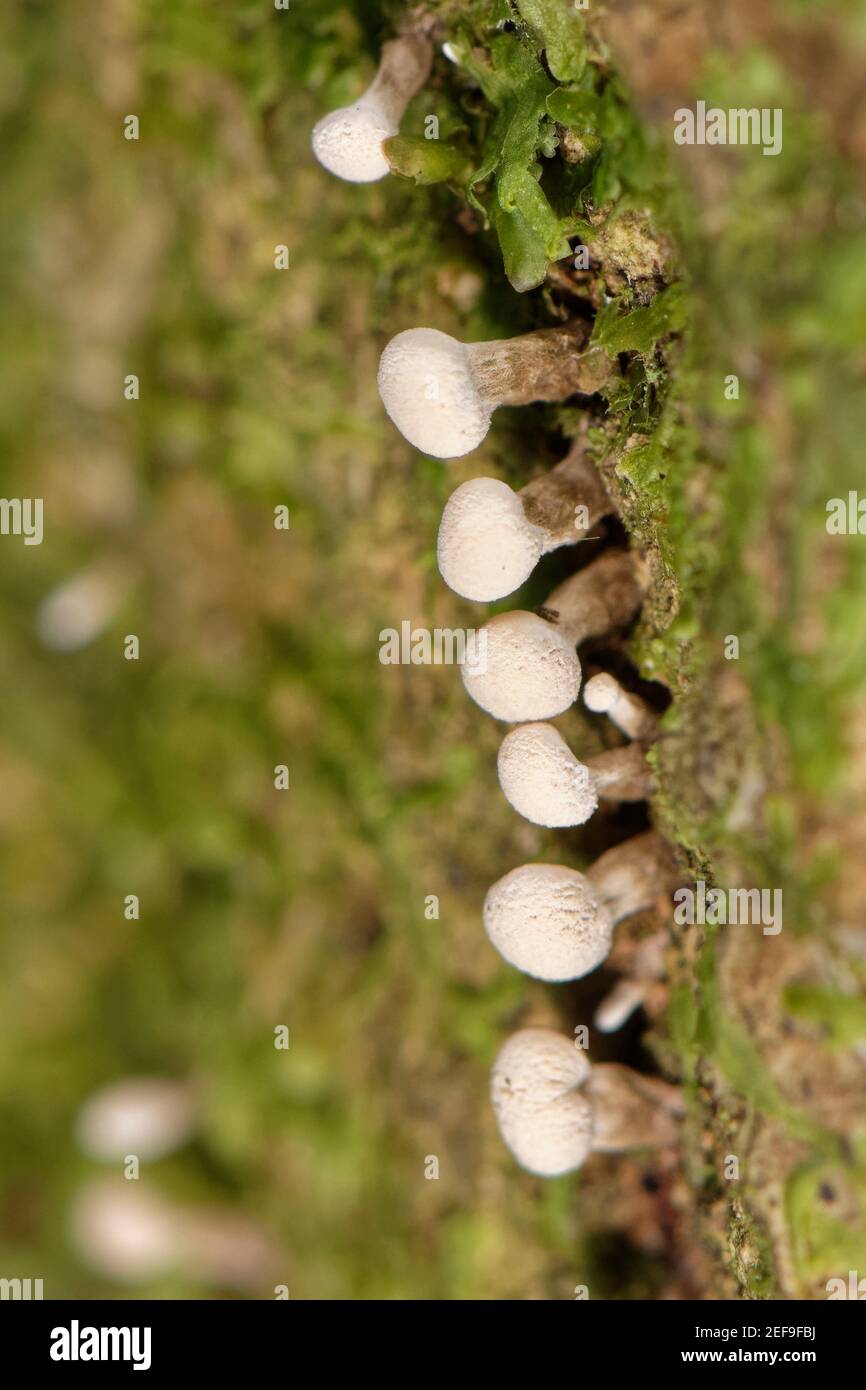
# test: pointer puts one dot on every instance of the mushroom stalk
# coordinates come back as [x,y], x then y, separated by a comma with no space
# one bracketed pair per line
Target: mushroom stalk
[621,774]
[528,668]
[605,595]
[629,877]
[554,1109]
[441,393]
[618,1006]
[547,365]
[637,986]
[491,538]
[603,694]
[544,782]
[550,502]
[348,142]
[630,1110]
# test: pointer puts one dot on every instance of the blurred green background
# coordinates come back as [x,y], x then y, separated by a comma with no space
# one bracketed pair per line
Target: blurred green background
[259,647]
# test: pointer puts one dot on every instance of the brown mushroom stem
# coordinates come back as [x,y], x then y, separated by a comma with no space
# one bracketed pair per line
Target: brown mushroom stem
[403,69]
[632,875]
[547,365]
[605,595]
[621,774]
[550,501]
[631,1111]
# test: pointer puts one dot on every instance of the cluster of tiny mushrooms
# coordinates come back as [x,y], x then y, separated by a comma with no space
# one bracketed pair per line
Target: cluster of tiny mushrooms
[547,920]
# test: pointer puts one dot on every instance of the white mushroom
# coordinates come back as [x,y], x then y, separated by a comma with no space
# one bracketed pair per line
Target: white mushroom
[348,142]
[491,538]
[555,923]
[549,921]
[146,1116]
[544,782]
[543,1118]
[530,669]
[603,694]
[441,393]
[553,1109]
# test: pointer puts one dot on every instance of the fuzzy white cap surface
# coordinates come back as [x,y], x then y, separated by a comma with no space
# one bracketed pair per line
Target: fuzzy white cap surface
[542,779]
[145,1116]
[486,546]
[542,1116]
[348,142]
[426,385]
[531,670]
[548,921]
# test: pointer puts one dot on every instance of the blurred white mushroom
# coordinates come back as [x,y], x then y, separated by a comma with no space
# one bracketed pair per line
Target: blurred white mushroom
[544,782]
[125,1232]
[441,393]
[348,142]
[531,670]
[133,1235]
[143,1115]
[553,1109]
[74,614]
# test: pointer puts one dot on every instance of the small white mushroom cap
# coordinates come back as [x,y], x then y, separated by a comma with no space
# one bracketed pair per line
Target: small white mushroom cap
[145,1116]
[604,695]
[425,381]
[486,547]
[542,1116]
[348,142]
[548,921]
[601,693]
[542,779]
[530,669]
